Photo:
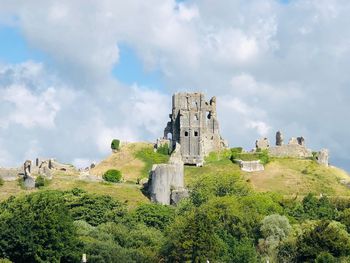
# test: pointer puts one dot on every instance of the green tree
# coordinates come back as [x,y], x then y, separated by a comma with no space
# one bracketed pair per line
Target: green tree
[153,215]
[111,242]
[115,144]
[193,238]
[94,209]
[345,218]
[209,186]
[274,228]
[37,228]
[326,236]
[325,257]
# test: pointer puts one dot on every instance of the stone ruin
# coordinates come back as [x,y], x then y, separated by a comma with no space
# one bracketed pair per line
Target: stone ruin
[30,171]
[295,148]
[322,157]
[192,133]
[251,166]
[194,125]
[262,144]
[166,182]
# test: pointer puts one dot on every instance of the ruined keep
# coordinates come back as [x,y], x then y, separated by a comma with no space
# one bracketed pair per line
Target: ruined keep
[194,126]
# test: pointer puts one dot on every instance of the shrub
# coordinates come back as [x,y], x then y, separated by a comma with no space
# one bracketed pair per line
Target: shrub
[235,152]
[40,181]
[163,149]
[1,182]
[113,176]
[264,157]
[115,145]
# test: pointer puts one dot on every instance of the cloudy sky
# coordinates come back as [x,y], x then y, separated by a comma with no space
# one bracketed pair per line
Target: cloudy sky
[75,74]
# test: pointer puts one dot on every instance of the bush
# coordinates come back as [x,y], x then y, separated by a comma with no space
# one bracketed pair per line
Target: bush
[115,145]
[113,176]
[1,181]
[235,152]
[40,181]
[163,149]
[264,157]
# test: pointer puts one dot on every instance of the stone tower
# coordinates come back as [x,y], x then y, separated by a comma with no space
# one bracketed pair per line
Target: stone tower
[194,126]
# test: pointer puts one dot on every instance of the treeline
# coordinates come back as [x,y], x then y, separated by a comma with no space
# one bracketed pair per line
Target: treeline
[222,221]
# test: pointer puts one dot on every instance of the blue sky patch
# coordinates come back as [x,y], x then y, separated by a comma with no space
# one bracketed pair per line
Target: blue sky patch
[14,48]
[130,70]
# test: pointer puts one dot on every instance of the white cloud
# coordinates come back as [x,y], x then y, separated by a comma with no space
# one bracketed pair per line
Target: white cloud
[29,109]
[272,66]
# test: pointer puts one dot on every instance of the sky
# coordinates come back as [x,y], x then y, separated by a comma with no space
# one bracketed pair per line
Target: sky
[76,74]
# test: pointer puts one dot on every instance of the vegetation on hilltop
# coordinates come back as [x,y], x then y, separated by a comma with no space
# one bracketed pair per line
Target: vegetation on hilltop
[231,216]
[223,220]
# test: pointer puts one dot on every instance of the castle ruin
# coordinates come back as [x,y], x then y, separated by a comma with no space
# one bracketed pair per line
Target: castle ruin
[194,126]
[192,133]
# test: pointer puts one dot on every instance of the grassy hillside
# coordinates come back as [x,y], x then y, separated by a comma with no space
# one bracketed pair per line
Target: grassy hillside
[288,177]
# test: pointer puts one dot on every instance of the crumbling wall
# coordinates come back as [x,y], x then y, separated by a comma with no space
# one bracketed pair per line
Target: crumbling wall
[251,166]
[290,150]
[323,157]
[194,126]
[166,182]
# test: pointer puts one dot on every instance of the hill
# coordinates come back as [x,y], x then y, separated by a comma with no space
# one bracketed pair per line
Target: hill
[286,176]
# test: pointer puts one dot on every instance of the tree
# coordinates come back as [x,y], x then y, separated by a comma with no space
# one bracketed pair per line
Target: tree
[345,218]
[94,209]
[115,145]
[37,228]
[275,227]
[153,215]
[193,238]
[326,236]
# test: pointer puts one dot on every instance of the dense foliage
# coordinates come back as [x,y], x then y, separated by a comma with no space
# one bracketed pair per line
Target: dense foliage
[115,144]
[223,220]
[163,149]
[112,175]
[37,228]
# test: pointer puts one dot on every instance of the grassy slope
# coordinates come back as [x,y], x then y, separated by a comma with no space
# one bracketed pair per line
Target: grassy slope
[285,176]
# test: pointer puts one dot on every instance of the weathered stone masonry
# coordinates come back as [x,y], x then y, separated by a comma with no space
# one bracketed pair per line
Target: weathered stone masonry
[194,126]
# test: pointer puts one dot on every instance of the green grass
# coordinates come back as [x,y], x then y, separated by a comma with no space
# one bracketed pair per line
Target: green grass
[150,157]
[285,176]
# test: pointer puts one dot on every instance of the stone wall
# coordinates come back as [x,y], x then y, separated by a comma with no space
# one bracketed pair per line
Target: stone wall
[166,182]
[194,125]
[251,166]
[290,150]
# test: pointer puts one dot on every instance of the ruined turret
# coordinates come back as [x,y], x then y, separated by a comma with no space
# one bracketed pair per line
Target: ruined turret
[194,125]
